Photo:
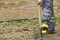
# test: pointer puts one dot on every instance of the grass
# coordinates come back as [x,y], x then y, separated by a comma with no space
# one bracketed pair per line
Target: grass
[5,30]
[14,22]
[58,19]
[17,0]
[26,21]
[19,22]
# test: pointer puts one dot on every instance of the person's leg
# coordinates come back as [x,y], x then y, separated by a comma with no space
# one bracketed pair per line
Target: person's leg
[48,14]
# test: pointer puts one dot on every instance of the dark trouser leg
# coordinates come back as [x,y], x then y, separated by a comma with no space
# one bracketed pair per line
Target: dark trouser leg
[48,14]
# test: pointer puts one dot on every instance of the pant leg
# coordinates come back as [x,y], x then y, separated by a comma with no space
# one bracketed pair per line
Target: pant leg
[48,14]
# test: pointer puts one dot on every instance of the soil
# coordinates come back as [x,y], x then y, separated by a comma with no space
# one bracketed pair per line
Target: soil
[10,11]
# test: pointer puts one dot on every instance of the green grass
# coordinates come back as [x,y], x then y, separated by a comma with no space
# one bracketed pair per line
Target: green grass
[31,22]
[19,22]
[26,21]
[58,19]
[14,22]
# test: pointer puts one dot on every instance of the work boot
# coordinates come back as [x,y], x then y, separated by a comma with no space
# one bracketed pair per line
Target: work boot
[51,29]
[45,30]
[51,32]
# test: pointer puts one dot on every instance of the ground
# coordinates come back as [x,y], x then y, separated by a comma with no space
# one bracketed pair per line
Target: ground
[22,23]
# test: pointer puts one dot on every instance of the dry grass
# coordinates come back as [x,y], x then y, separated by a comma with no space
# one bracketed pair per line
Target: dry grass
[16,0]
[21,30]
